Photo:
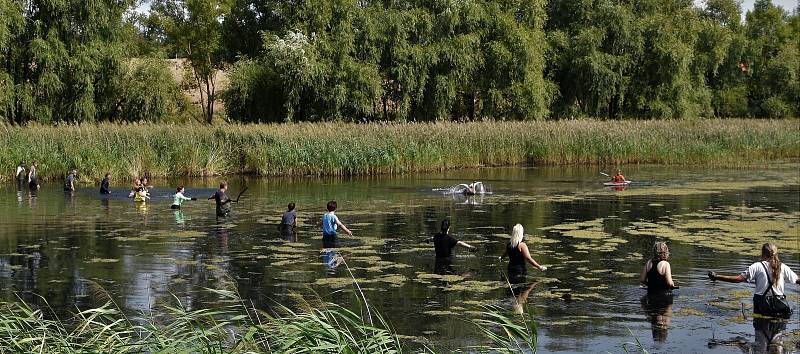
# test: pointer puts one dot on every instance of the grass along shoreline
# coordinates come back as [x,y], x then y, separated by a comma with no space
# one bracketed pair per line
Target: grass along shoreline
[164,150]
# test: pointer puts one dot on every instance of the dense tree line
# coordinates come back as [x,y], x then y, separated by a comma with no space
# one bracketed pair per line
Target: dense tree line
[398,60]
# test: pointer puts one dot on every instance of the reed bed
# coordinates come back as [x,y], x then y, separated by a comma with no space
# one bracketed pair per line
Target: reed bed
[314,327]
[162,150]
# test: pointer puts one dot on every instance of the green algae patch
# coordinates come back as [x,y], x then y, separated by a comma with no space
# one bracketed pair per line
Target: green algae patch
[173,233]
[730,229]
[428,277]
[476,286]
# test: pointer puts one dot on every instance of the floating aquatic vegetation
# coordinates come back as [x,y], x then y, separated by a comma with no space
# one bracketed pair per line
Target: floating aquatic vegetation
[723,231]
[427,277]
[476,286]
[338,283]
[394,280]
[173,233]
[438,313]
[689,311]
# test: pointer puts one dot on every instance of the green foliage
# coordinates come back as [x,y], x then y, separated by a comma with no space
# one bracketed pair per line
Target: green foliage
[194,31]
[399,61]
[232,328]
[344,149]
[403,60]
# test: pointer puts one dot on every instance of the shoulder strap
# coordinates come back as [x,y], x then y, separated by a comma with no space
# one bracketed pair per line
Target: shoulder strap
[769,280]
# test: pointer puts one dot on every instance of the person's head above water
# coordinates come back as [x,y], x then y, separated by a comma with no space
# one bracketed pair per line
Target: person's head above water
[517,233]
[290,206]
[73,172]
[619,172]
[22,163]
[445,226]
[108,175]
[179,189]
[137,182]
[660,251]
[331,205]
[769,253]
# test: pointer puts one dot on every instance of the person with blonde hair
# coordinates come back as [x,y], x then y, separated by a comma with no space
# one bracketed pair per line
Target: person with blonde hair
[657,273]
[769,275]
[518,254]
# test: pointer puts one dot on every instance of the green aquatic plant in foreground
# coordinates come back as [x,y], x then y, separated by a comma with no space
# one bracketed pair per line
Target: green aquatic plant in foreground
[346,149]
[313,327]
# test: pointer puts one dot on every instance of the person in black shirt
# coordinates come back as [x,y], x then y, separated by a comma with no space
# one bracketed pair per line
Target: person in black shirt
[444,243]
[222,200]
[104,184]
[518,255]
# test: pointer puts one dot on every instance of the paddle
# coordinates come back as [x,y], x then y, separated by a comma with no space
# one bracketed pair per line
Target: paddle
[604,174]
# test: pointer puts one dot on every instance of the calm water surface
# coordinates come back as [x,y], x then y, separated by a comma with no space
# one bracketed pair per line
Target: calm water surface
[594,240]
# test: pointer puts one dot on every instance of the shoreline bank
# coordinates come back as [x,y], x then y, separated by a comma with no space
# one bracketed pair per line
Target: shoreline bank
[162,150]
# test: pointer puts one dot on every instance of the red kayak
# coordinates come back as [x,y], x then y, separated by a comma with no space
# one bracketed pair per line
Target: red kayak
[616,184]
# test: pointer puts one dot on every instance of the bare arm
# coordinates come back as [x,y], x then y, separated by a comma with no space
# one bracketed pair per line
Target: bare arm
[343,227]
[525,253]
[668,275]
[727,278]
[464,244]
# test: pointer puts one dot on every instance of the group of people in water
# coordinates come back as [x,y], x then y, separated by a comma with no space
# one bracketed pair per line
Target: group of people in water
[27,176]
[769,274]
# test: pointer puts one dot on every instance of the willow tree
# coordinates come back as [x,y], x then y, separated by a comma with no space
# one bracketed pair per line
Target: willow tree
[400,60]
[57,56]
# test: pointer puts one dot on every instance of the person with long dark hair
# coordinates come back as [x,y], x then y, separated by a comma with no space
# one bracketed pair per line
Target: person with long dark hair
[444,242]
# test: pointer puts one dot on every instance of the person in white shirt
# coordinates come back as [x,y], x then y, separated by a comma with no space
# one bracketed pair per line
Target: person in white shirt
[768,271]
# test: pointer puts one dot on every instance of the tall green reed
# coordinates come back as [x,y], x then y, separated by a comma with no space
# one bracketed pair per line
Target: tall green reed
[160,150]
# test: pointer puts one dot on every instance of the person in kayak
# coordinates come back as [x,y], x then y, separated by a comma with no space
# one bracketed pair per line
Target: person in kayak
[618,178]
[330,224]
[769,275]
[33,177]
[444,243]
[104,184]
[288,223]
[222,200]
[657,273]
[69,183]
[179,198]
[518,255]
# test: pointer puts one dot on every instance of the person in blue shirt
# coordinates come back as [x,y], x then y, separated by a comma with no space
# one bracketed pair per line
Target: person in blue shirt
[330,224]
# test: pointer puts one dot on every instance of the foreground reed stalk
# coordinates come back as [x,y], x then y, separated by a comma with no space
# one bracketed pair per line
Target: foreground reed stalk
[346,149]
[310,327]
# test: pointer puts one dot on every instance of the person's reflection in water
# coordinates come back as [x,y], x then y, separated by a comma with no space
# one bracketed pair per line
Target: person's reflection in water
[768,337]
[332,259]
[519,293]
[443,266]
[658,309]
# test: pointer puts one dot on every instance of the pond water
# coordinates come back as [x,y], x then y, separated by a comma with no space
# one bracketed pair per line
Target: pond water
[594,240]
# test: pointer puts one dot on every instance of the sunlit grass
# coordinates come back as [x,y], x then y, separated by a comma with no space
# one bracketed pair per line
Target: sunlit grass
[343,149]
